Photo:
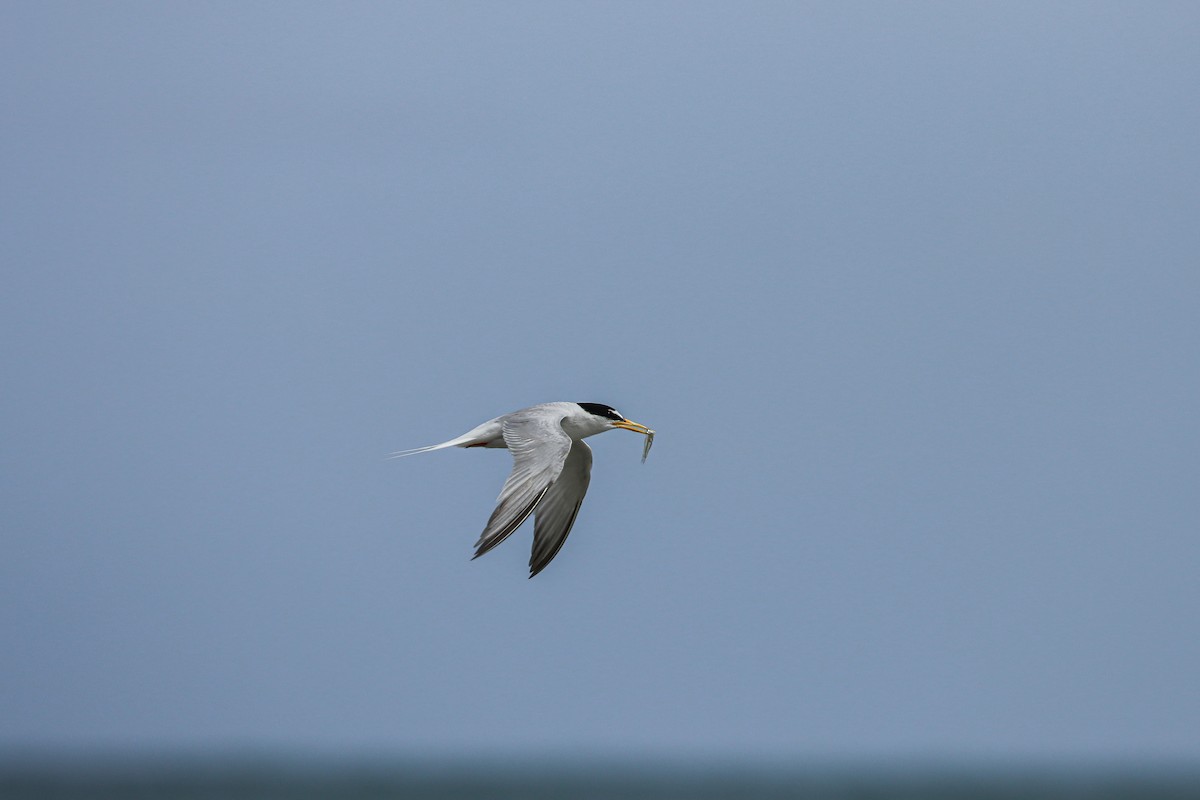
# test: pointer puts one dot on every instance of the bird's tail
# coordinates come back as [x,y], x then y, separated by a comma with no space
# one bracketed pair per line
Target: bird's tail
[460,441]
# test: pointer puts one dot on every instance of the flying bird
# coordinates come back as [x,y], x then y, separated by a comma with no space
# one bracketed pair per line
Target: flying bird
[551,469]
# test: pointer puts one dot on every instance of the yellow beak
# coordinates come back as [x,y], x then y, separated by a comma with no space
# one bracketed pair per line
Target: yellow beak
[630,425]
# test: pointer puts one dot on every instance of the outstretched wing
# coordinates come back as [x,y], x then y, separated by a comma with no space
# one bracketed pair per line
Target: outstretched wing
[557,511]
[539,448]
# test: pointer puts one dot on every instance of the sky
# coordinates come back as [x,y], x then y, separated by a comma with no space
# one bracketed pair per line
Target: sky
[908,290]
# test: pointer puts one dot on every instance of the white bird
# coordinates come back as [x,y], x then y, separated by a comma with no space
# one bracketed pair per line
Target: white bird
[551,469]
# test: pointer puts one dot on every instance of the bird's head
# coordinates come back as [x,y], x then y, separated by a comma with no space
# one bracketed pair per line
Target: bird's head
[607,417]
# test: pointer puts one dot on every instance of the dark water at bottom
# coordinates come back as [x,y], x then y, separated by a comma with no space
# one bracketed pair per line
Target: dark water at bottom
[48,780]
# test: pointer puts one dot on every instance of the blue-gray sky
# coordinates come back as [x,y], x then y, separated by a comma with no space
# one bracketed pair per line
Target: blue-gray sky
[910,292]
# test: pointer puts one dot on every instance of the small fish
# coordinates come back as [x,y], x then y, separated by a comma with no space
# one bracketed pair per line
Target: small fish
[646,446]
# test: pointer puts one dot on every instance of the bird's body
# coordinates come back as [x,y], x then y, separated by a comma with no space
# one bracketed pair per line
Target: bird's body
[552,467]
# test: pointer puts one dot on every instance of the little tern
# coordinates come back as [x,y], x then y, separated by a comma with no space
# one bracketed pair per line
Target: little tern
[551,469]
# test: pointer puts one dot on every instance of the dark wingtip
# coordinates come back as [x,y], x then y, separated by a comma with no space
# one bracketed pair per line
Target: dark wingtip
[538,561]
[486,543]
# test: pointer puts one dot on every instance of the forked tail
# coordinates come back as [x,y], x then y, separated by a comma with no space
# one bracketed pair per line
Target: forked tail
[460,441]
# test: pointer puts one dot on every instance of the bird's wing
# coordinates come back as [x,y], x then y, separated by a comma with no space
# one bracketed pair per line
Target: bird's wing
[556,513]
[539,447]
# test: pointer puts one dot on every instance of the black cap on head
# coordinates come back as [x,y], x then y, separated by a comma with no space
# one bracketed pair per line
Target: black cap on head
[601,410]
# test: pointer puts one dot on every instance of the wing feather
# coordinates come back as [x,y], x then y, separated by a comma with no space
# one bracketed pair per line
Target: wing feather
[558,509]
[539,448]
